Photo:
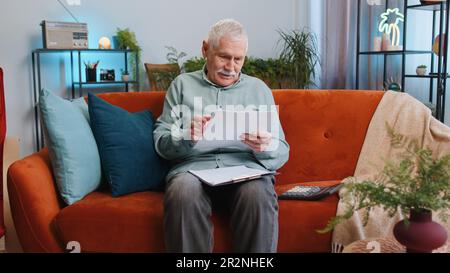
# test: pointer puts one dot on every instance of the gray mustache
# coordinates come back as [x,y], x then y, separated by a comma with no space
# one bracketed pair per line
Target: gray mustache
[227,73]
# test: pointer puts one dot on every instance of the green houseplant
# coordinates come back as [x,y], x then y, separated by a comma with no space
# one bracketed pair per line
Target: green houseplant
[418,184]
[298,58]
[294,67]
[267,70]
[126,39]
[194,64]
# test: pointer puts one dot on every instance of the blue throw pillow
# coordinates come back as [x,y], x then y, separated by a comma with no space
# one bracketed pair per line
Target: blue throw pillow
[125,143]
[71,144]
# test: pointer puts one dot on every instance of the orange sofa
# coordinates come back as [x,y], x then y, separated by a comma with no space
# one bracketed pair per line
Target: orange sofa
[325,129]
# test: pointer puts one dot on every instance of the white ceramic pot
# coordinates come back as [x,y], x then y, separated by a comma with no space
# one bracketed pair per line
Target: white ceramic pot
[125,78]
[421,71]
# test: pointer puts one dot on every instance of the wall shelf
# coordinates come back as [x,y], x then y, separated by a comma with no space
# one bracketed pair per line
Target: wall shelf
[424,76]
[430,7]
[395,52]
[75,83]
[437,76]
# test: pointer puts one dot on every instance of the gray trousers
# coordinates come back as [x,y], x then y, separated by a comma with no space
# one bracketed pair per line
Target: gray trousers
[252,206]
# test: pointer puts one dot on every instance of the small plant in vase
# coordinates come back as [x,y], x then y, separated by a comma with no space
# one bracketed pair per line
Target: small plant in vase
[125,75]
[417,186]
[421,70]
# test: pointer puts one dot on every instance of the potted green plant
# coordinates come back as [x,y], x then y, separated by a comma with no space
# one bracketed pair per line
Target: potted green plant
[417,186]
[267,70]
[298,58]
[294,68]
[126,39]
[421,70]
[194,64]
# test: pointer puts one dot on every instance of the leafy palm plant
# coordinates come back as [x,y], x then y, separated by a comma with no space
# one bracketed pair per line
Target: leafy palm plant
[299,56]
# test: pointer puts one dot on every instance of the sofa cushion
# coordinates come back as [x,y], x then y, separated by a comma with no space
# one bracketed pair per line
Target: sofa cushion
[72,147]
[101,223]
[125,142]
[134,223]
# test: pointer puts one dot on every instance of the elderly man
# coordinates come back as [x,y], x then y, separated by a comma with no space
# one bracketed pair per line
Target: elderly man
[188,203]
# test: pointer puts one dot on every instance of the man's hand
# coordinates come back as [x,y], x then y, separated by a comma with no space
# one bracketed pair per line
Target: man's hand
[198,126]
[258,141]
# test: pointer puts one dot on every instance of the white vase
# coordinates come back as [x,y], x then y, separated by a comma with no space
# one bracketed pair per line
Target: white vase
[125,78]
[385,42]
[421,71]
[377,44]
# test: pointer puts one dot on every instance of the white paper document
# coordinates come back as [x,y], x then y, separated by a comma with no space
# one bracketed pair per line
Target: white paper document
[225,128]
[229,175]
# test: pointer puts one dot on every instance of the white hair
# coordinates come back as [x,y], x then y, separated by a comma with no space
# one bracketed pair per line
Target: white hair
[226,27]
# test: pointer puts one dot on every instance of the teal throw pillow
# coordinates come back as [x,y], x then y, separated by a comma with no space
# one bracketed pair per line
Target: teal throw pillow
[72,148]
[125,142]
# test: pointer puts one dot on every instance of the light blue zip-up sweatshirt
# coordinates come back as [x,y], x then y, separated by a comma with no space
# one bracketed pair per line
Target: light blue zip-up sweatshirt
[183,154]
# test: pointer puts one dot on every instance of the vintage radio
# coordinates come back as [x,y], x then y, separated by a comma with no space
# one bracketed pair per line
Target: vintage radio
[64,35]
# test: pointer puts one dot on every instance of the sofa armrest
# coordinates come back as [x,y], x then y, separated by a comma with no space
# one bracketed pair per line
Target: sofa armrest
[34,202]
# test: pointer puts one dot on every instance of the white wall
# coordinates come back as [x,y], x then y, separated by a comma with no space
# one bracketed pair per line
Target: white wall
[157,23]
[179,23]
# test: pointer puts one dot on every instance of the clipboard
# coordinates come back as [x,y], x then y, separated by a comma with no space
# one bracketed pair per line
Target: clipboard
[229,175]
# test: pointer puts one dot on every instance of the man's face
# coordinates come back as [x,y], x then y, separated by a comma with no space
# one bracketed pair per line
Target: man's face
[225,61]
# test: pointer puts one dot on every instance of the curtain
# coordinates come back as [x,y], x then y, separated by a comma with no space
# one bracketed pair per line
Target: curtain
[337,33]
[2,139]
[338,50]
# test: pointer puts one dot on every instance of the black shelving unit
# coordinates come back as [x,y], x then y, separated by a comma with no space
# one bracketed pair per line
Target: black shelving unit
[76,83]
[439,71]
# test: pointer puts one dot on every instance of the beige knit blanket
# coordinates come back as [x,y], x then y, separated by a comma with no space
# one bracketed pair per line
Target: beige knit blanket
[408,117]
